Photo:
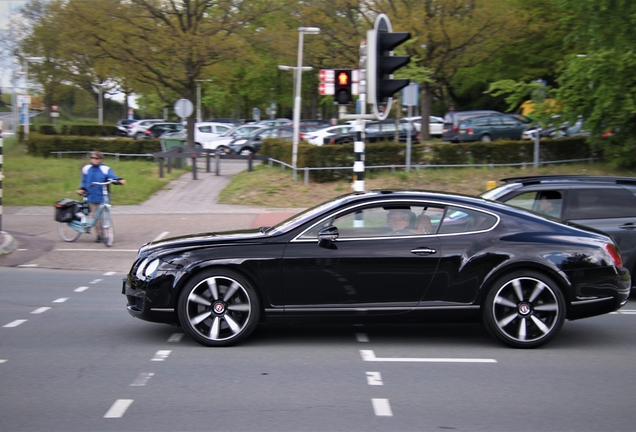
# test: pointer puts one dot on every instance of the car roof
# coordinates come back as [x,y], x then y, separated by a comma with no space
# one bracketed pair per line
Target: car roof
[570,179]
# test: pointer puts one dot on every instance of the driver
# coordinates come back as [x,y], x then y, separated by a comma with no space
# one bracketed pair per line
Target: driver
[398,220]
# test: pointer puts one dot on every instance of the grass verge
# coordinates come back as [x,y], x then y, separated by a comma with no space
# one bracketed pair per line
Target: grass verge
[271,187]
[35,181]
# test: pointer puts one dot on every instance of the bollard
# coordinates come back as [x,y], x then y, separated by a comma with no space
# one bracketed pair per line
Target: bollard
[249,162]
[217,158]
[161,167]
[207,161]
[491,184]
[194,166]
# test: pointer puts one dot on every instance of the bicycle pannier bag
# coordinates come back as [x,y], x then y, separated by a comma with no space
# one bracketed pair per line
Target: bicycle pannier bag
[65,209]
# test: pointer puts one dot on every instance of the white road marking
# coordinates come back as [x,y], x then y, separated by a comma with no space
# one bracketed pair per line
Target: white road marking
[21,250]
[3,360]
[28,265]
[15,323]
[60,300]
[109,273]
[96,281]
[80,289]
[362,337]
[162,235]
[142,379]
[40,310]
[374,378]
[161,355]
[381,407]
[119,408]
[369,355]
[98,250]
[175,337]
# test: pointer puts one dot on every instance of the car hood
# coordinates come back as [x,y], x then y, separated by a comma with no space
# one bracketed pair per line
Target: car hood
[202,240]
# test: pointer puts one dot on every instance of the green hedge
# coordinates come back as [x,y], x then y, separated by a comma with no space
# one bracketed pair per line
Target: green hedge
[391,153]
[43,145]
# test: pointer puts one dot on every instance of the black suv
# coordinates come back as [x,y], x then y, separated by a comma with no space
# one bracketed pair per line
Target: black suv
[602,202]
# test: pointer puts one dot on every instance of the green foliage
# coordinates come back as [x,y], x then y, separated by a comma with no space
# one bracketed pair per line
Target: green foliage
[43,145]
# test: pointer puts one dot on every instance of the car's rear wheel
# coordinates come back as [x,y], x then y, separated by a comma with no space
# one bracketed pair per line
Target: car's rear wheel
[486,138]
[524,309]
[246,151]
[218,308]
[222,149]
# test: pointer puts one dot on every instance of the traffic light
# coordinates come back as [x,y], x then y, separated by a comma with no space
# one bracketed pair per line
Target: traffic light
[381,63]
[343,87]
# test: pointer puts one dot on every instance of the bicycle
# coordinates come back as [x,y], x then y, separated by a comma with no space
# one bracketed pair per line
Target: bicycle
[71,230]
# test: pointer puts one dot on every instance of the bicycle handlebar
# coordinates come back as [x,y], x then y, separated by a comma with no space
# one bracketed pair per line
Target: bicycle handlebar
[109,181]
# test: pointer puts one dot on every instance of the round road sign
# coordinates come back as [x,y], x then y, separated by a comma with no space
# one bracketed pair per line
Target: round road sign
[184,108]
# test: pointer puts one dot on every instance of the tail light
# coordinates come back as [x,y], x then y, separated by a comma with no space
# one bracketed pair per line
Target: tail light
[456,129]
[147,132]
[301,135]
[614,254]
[470,131]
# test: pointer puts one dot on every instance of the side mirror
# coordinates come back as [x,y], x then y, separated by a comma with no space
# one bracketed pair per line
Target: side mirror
[327,236]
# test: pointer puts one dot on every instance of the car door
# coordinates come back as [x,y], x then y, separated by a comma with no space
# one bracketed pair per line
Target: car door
[609,209]
[370,266]
[496,128]
[511,129]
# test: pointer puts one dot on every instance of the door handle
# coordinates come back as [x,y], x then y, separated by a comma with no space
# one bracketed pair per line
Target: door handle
[628,226]
[423,251]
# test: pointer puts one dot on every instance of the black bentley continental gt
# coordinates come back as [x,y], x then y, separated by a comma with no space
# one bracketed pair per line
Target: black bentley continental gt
[384,255]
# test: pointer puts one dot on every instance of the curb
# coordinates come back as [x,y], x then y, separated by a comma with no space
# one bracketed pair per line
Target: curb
[8,243]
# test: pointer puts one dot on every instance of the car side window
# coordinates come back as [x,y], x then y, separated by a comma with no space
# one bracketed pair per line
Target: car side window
[388,220]
[221,129]
[524,200]
[481,122]
[495,121]
[205,129]
[600,203]
[461,220]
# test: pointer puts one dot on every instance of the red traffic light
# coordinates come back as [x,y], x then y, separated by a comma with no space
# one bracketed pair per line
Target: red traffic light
[343,78]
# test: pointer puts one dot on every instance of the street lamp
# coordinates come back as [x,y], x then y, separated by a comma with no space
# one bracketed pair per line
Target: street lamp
[299,69]
[26,61]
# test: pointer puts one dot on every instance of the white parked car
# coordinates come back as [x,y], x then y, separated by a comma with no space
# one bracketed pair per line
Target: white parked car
[223,140]
[205,131]
[318,136]
[435,125]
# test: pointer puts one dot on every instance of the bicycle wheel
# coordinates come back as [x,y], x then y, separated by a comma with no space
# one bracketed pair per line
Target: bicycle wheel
[66,231]
[108,233]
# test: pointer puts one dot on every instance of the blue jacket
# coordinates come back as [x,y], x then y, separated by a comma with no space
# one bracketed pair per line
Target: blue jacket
[96,173]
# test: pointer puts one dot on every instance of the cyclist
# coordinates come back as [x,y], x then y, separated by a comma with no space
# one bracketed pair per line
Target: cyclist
[96,171]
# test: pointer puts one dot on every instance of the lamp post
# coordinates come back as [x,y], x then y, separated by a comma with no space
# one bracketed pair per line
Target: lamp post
[298,70]
[199,81]
[26,61]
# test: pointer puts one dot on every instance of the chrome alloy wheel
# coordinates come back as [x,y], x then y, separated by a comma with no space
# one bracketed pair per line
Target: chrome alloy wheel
[525,311]
[218,310]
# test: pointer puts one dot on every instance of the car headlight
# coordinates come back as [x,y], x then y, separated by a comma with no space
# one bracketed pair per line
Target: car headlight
[147,268]
[239,142]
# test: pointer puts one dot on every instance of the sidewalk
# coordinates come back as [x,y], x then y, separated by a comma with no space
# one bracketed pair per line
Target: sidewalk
[181,196]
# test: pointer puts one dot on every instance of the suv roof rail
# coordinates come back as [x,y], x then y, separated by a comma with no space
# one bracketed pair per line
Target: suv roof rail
[539,179]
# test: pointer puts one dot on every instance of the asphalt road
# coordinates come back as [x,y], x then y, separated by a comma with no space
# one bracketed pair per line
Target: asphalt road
[72,359]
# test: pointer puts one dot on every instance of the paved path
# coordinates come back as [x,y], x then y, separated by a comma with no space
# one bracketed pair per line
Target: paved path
[181,196]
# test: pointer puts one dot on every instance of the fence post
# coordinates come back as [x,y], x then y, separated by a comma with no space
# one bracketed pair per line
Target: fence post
[217,161]
[207,161]
[249,162]
[194,166]
[306,175]
[161,167]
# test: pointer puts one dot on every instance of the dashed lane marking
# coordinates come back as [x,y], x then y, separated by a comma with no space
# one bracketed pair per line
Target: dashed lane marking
[80,289]
[109,273]
[161,355]
[60,300]
[175,337]
[3,360]
[15,323]
[369,355]
[94,281]
[382,408]
[119,408]
[40,310]
[142,379]
[374,378]
[362,337]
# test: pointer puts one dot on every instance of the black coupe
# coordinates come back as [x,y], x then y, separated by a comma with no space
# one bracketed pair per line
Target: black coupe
[378,255]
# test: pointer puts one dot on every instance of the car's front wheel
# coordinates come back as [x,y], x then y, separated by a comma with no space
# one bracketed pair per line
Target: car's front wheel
[486,138]
[218,308]
[524,309]
[246,151]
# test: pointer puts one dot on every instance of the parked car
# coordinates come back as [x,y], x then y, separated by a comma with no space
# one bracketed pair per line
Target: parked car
[435,125]
[122,126]
[318,123]
[453,119]
[158,129]
[223,141]
[602,202]
[365,257]
[230,121]
[318,136]
[274,122]
[251,143]
[376,131]
[136,129]
[490,127]
[205,131]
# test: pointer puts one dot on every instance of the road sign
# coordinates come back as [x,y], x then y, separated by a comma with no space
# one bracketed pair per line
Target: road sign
[256,114]
[183,108]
